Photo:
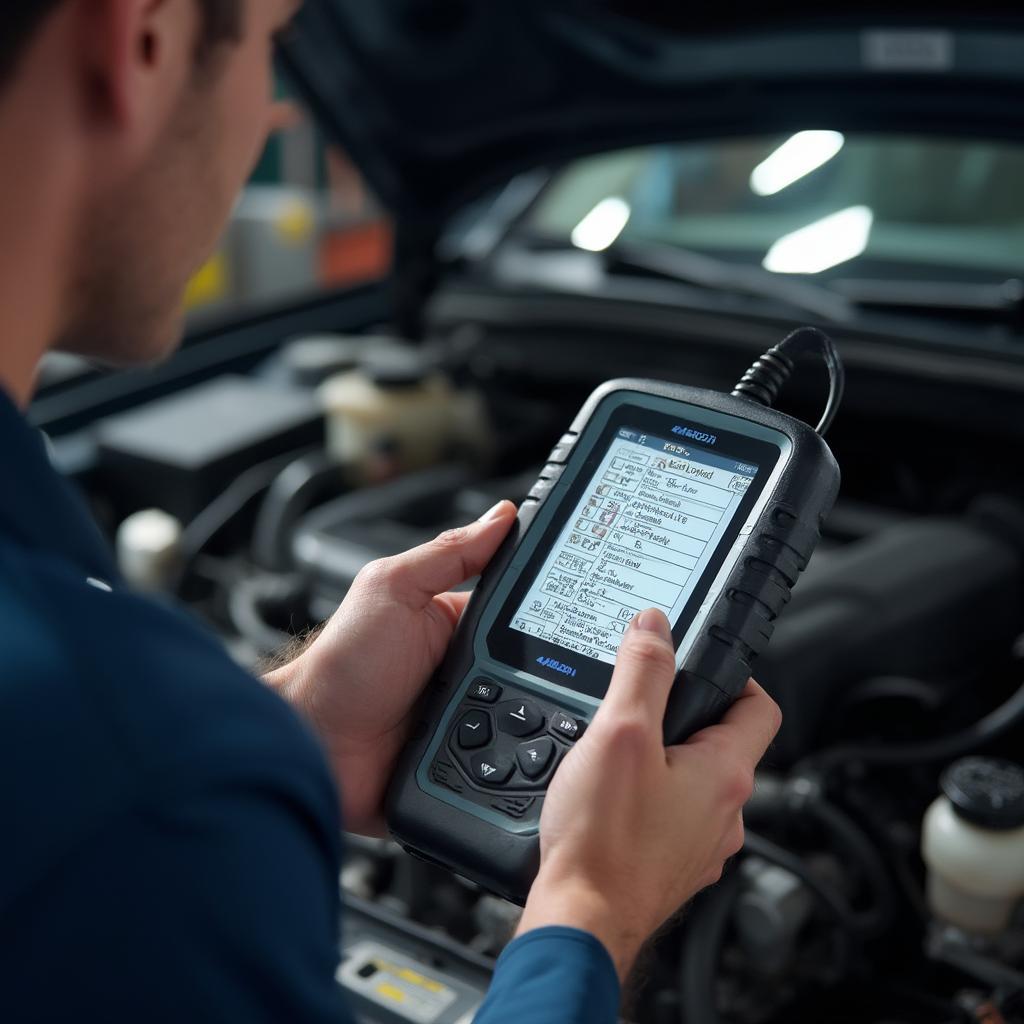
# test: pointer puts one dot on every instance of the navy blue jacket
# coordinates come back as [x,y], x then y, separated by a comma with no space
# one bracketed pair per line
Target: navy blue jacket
[169,831]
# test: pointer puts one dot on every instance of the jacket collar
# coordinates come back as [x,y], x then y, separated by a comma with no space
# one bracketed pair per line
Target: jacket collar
[38,507]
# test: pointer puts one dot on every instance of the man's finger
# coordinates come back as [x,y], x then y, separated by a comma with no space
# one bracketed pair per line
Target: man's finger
[645,669]
[416,577]
[749,725]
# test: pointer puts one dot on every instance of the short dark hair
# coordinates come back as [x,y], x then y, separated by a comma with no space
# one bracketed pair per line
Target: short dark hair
[222,21]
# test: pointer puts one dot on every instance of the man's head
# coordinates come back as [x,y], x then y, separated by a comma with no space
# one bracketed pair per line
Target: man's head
[157,111]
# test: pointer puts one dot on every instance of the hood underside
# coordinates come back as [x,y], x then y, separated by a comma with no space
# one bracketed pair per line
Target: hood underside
[439,101]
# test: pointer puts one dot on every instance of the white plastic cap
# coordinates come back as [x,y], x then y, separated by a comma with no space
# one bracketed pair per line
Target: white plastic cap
[148,546]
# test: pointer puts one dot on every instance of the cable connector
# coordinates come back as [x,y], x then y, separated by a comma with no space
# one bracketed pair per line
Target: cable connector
[763,382]
[765,379]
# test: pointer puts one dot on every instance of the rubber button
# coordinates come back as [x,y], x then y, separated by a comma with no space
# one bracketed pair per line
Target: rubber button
[519,718]
[474,730]
[484,690]
[490,767]
[534,756]
[563,449]
[566,726]
[541,489]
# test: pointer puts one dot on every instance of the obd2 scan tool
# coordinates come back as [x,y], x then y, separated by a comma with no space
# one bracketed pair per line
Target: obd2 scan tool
[705,505]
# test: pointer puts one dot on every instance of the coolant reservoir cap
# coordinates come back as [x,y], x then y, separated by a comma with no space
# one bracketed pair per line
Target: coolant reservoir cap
[392,366]
[311,359]
[986,791]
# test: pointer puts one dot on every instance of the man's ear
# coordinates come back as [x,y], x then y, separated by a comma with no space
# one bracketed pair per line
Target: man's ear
[137,57]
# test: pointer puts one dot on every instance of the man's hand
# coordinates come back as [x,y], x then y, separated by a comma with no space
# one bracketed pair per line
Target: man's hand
[631,830]
[359,680]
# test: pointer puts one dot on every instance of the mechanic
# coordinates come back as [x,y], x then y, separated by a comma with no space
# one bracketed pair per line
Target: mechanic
[172,828]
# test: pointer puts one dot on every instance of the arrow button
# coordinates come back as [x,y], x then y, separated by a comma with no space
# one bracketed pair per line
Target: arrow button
[474,730]
[534,755]
[490,767]
[519,717]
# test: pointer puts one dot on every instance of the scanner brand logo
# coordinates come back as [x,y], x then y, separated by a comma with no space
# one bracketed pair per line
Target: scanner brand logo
[694,435]
[557,666]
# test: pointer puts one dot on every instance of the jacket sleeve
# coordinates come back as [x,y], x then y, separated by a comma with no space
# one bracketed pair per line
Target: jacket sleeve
[553,976]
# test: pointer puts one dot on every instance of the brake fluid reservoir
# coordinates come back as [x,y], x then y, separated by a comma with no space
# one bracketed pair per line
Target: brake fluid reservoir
[973,844]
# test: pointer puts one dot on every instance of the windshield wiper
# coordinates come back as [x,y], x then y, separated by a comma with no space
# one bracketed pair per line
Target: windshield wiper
[689,267]
[670,263]
[1000,300]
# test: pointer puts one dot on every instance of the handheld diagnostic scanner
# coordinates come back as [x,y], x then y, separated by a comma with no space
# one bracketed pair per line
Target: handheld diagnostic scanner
[702,504]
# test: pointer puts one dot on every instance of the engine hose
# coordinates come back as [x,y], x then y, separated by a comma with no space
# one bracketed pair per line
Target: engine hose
[775,800]
[230,503]
[302,483]
[830,899]
[945,748]
[249,600]
[703,939]
[852,840]
[985,969]
[706,926]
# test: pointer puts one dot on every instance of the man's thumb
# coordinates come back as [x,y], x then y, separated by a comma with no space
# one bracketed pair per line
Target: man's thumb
[419,575]
[645,668]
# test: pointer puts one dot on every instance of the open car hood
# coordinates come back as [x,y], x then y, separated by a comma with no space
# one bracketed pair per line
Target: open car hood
[440,100]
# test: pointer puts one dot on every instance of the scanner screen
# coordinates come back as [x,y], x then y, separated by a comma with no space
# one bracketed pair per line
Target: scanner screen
[641,535]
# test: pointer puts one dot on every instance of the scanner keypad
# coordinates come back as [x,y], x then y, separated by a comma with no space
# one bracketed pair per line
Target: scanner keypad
[504,748]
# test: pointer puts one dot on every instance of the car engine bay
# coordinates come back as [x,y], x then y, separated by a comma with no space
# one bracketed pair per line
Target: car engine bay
[254,488]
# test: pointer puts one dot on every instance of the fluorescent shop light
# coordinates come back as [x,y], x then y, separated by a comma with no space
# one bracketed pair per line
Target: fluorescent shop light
[825,243]
[794,159]
[602,225]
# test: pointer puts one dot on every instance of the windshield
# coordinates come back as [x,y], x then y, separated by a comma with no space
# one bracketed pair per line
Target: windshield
[814,202]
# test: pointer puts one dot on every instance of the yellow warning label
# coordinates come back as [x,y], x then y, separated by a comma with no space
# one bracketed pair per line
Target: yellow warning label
[391,992]
[415,978]
[394,981]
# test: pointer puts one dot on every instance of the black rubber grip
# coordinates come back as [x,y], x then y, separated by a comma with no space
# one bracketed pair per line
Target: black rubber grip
[742,620]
